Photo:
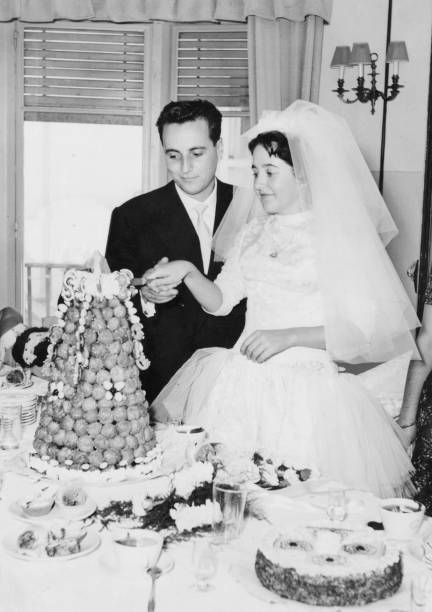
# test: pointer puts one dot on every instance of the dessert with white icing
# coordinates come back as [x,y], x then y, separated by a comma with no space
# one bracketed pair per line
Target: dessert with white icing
[329,567]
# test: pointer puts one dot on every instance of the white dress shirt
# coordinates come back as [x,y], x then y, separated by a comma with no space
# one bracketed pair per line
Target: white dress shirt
[202,215]
[203,225]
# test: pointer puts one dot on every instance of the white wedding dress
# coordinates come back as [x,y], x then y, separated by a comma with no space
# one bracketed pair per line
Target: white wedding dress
[295,408]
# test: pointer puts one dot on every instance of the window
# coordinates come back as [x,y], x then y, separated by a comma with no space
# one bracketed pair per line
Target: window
[90,76]
[212,63]
[83,116]
[90,98]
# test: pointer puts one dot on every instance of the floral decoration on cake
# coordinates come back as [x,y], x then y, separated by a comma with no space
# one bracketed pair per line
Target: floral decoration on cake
[179,504]
[277,475]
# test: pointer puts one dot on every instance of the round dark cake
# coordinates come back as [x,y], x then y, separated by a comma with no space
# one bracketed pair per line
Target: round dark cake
[338,570]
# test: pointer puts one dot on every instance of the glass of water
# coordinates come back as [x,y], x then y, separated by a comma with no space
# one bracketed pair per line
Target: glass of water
[229,501]
[421,592]
[10,426]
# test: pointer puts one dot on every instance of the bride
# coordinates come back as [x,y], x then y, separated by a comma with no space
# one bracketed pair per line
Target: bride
[320,288]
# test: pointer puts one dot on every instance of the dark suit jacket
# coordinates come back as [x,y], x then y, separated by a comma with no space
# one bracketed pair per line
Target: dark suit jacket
[142,231]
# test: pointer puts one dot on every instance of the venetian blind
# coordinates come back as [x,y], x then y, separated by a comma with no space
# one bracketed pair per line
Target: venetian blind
[213,64]
[83,75]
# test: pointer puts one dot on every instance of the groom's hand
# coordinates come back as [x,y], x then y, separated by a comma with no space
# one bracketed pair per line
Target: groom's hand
[157,295]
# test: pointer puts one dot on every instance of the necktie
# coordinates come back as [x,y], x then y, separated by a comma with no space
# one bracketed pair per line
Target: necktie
[204,235]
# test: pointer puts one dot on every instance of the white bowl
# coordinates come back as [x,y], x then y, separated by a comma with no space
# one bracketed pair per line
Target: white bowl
[37,507]
[137,547]
[71,499]
[37,502]
[401,517]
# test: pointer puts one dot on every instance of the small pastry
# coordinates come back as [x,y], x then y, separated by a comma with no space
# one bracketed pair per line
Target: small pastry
[39,504]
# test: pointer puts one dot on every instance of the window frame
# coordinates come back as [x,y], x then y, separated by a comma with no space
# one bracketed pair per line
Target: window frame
[151,84]
[160,57]
[202,27]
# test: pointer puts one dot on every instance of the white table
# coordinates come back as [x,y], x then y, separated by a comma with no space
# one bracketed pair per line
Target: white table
[84,585]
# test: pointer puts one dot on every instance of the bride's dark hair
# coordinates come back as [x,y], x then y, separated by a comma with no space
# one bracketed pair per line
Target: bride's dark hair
[275,143]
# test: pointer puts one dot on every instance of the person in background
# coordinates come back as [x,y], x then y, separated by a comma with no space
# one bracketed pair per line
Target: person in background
[22,348]
[11,326]
[177,221]
[415,418]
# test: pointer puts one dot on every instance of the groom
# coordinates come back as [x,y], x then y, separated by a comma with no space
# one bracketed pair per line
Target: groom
[177,221]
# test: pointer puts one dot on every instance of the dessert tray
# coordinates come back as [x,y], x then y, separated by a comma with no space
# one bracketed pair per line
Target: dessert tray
[55,514]
[44,503]
[149,467]
[38,543]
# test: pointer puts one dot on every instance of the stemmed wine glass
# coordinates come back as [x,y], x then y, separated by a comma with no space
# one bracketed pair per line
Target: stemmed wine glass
[337,506]
[204,561]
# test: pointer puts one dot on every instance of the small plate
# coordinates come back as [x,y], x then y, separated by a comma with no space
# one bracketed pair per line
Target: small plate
[112,564]
[90,543]
[56,513]
[8,386]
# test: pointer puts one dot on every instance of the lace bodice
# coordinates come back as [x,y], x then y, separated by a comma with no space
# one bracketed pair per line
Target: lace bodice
[273,265]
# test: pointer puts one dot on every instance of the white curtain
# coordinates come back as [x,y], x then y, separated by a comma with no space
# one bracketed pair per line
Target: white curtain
[8,153]
[284,62]
[133,11]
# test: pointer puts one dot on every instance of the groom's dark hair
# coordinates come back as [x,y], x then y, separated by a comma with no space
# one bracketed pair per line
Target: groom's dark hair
[275,143]
[191,110]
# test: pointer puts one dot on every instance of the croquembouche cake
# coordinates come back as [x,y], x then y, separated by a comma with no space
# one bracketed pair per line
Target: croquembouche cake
[95,418]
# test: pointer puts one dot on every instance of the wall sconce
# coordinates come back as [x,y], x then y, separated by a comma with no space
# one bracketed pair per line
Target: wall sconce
[361,56]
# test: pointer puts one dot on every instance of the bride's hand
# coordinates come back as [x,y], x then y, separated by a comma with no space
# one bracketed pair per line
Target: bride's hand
[263,344]
[168,274]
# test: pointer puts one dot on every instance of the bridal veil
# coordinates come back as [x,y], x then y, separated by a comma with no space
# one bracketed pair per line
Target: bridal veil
[368,315]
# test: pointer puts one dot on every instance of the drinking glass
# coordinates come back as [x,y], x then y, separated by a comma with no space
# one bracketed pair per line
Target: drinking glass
[337,506]
[421,592]
[204,562]
[10,428]
[229,500]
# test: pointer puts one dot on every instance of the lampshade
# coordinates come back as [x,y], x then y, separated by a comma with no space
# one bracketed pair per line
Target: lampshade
[341,57]
[397,52]
[360,54]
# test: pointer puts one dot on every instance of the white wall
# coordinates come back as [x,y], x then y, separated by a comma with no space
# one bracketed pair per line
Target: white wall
[366,21]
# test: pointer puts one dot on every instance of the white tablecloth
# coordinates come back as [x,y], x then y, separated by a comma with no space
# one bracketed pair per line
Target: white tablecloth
[87,584]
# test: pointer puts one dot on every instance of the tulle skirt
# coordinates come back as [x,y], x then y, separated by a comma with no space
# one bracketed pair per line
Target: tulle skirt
[296,409]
